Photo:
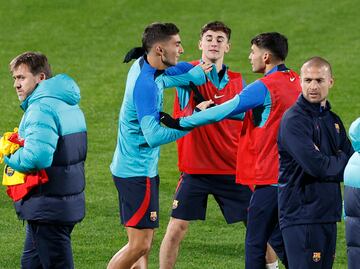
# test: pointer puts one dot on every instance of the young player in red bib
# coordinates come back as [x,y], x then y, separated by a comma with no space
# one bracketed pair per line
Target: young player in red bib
[207,155]
[257,159]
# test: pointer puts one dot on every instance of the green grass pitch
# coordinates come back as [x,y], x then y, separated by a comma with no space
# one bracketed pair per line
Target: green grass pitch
[88,39]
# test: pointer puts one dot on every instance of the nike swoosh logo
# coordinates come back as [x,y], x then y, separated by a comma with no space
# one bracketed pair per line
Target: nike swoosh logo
[292,79]
[218,96]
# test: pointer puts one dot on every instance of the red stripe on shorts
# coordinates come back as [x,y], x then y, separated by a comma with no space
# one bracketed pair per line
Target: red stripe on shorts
[135,219]
[179,182]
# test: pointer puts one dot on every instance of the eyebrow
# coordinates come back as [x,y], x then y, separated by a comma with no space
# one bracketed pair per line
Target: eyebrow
[219,36]
[318,78]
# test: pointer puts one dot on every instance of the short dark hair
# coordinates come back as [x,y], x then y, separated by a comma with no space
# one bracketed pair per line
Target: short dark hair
[274,42]
[157,32]
[36,61]
[216,26]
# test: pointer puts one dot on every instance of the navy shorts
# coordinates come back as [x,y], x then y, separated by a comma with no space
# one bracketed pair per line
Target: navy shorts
[310,246]
[190,200]
[138,201]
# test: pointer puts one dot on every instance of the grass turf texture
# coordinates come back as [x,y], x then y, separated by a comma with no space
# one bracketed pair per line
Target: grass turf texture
[88,41]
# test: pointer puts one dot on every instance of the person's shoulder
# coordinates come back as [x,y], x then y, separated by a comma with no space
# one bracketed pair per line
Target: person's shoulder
[290,112]
[41,111]
[293,122]
[292,72]
[233,74]
[194,62]
[144,82]
[339,125]
[178,69]
[146,71]
[257,84]
[294,114]
[336,116]
[296,121]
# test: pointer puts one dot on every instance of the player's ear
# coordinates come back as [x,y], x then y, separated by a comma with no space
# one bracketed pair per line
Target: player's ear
[200,45]
[267,57]
[159,50]
[227,48]
[40,77]
[331,82]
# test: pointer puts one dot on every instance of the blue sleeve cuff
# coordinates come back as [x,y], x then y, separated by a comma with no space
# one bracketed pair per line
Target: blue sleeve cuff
[156,135]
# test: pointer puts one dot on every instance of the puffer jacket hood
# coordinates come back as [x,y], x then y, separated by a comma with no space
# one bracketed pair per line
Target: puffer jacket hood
[60,87]
[354,133]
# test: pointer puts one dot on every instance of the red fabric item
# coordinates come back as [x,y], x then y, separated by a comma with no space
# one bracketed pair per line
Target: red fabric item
[15,138]
[210,149]
[257,156]
[17,192]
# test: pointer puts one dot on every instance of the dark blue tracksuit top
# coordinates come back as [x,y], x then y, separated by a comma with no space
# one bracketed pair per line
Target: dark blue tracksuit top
[309,179]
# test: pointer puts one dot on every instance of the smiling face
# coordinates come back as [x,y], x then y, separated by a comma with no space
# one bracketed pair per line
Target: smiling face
[214,45]
[316,80]
[24,81]
[171,50]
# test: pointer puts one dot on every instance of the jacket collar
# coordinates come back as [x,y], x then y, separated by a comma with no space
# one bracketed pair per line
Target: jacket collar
[280,67]
[314,109]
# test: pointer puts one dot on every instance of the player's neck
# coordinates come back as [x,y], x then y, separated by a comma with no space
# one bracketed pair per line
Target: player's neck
[155,61]
[218,63]
[219,66]
[271,65]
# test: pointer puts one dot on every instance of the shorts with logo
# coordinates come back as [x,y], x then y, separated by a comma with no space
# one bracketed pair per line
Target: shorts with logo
[190,200]
[138,201]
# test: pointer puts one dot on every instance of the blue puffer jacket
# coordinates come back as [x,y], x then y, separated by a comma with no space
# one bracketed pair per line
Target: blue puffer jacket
[54,130]
[352,198]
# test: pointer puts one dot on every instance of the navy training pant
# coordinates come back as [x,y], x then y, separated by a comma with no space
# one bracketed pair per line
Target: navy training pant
[310,246]
[47,246]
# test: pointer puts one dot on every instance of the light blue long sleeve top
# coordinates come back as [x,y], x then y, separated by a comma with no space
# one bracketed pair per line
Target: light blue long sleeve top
[139,131]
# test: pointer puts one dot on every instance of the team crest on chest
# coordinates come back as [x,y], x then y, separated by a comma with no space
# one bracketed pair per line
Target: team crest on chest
[337,127]
[153,216]
[316,256]
[175,204]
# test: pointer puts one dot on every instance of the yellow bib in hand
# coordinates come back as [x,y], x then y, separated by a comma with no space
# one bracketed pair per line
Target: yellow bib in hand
[7,147]
[12,177]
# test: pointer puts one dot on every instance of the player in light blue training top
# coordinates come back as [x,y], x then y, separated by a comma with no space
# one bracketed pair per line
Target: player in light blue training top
[135,161]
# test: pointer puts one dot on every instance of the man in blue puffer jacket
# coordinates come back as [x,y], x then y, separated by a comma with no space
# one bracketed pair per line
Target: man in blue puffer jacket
[352,198]
[53,127]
